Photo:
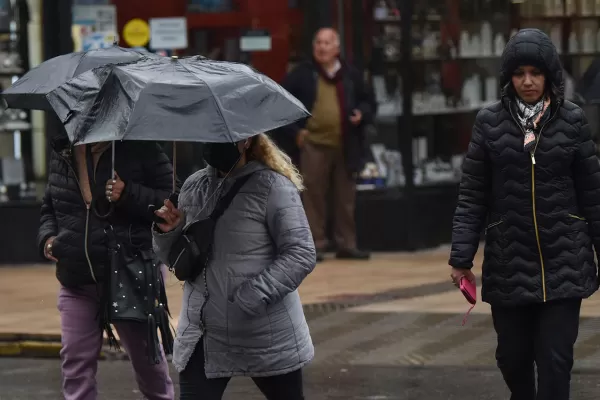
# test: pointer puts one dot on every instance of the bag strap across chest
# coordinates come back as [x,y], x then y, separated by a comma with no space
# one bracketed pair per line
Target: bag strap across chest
[226,199]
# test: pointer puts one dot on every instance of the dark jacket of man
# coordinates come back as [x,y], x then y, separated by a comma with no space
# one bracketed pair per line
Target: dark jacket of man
[543,216]
[80,244]
[302,83]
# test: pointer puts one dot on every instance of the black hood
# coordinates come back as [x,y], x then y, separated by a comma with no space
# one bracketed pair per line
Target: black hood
[533,47]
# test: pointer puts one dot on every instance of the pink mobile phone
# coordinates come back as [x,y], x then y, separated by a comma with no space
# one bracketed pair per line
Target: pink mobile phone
[469,290]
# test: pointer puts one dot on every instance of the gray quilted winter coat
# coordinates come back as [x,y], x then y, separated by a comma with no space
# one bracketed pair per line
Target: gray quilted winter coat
[263,249]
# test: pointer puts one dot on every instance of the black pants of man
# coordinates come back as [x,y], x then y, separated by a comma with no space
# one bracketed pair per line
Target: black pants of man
[540,334]
[194,385]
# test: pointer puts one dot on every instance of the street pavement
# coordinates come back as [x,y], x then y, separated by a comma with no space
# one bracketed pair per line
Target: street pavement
[35,379]
[386,329]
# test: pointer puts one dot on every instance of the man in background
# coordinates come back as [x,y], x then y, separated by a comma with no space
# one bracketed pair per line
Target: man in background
[331,141]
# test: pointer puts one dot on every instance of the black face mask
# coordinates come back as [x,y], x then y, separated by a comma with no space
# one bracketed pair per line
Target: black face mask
[222,156]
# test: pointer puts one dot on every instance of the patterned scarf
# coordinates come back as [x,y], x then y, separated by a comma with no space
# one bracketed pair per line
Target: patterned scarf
[529,116]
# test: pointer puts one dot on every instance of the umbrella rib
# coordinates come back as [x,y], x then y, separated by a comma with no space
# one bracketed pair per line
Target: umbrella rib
[219,105]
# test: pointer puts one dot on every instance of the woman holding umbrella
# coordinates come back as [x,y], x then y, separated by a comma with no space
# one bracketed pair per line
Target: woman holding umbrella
[243,315]
[532,172]
[72,235]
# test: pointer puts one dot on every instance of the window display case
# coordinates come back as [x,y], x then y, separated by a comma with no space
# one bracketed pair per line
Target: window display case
[430,85]
[449,63]
[15,126]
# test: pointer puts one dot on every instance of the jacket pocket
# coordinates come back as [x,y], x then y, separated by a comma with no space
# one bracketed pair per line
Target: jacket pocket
[578,231]
[495,243]
[243,330]
[576,217]
[493,225]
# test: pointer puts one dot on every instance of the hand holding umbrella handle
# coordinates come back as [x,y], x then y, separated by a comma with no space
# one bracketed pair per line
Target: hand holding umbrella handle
[173,198]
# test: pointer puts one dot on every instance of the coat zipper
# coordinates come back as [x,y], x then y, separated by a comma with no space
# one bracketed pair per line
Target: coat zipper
[87,218]
[535,224]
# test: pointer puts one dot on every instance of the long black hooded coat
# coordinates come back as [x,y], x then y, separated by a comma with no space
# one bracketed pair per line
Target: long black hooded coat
[542,212]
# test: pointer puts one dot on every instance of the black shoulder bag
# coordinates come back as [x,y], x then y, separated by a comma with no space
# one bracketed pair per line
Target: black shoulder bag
[133,285]
[135,291]
[191,253]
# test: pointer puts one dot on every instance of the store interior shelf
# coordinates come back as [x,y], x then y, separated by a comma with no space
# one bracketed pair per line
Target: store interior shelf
[459,58]
[428,18]
[475,58]
[560,18]
[10,127]
[10,72]
[484,58]
[389,112]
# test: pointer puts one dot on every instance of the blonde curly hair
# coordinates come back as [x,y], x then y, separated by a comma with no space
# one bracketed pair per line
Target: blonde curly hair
[263,149]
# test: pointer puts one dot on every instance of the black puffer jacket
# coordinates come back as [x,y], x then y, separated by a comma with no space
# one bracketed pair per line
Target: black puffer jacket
[80,240]
[543,213]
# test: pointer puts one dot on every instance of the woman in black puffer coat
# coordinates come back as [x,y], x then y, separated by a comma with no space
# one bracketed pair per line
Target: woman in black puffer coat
[531,172]
[73,236]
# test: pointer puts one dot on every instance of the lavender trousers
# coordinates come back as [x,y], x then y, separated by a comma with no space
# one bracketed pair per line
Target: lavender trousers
[82,342]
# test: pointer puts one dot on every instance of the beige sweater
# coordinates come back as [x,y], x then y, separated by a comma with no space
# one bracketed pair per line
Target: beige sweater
[325,126]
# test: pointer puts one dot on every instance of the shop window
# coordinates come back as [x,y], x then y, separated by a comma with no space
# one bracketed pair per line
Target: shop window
[451,63]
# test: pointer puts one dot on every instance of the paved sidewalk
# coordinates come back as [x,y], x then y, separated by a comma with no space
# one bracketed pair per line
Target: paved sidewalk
[397,310]
[30,292]
[389,283]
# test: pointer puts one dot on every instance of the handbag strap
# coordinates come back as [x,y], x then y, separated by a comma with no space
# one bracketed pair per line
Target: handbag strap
[226,200]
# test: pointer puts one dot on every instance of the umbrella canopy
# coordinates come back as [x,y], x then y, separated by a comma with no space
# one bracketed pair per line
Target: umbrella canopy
[169,99]
[30,91]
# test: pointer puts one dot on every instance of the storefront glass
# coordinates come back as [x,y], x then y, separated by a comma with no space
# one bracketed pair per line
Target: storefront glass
[15,127]
[451,68]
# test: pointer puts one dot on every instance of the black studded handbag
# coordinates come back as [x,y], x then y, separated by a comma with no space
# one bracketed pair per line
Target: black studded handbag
[135,291]
[133,285]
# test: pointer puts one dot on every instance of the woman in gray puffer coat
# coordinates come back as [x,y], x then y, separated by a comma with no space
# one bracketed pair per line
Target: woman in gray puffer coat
[253,323]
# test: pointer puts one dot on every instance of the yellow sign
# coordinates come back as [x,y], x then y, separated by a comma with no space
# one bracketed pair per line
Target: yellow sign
[136,33]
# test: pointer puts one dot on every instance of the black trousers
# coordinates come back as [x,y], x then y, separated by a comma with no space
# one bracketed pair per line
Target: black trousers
[194,385]
[540,334]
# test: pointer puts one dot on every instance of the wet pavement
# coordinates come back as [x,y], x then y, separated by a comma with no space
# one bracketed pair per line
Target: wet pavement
[383,330]
[26,379]
[359,356]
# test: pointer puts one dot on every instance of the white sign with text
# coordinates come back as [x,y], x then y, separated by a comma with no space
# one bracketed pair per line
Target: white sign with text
[168,33]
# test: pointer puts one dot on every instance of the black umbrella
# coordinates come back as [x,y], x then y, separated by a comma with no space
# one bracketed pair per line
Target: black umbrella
[170,99]
[189,99]
[30,91]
